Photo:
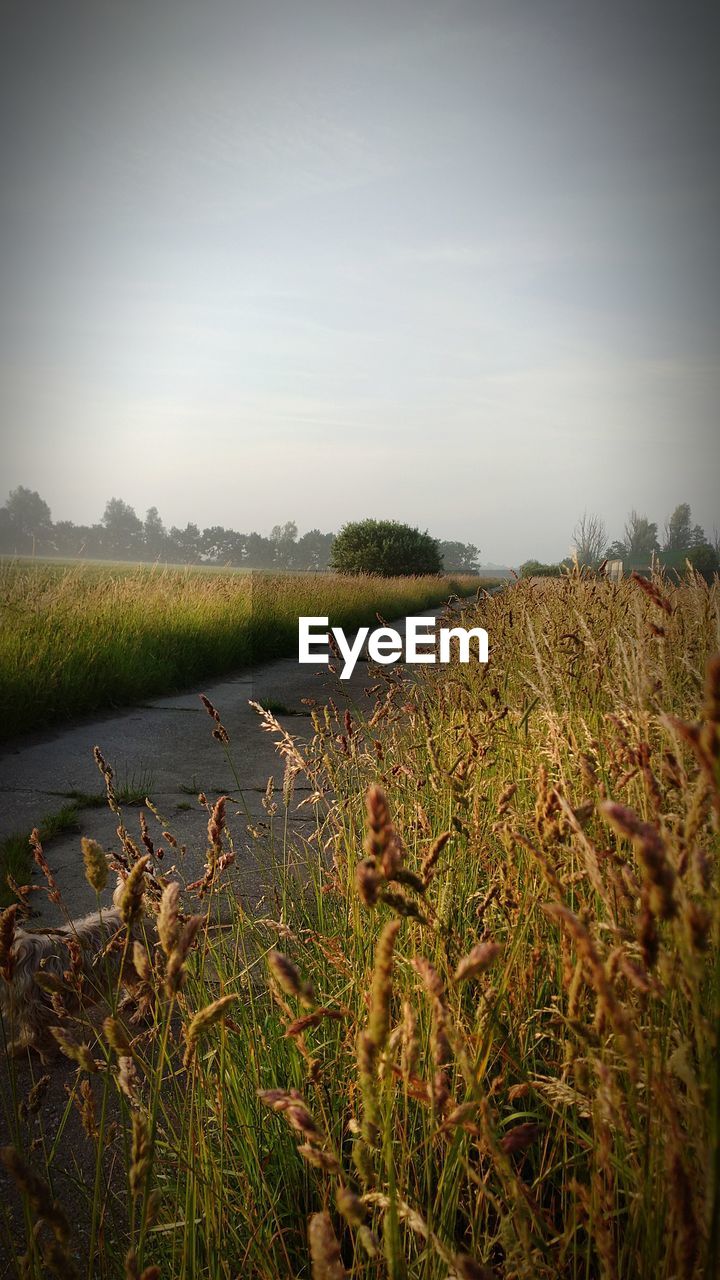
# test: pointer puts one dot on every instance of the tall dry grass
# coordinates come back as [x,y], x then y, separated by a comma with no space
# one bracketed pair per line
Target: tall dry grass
[473,1031]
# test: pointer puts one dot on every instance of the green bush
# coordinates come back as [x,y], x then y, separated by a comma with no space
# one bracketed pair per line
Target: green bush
[385,547]
[705,560]
[536,569]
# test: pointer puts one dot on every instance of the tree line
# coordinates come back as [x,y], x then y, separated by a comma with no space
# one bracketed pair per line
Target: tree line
[27,528]
[640,537]
[640,544]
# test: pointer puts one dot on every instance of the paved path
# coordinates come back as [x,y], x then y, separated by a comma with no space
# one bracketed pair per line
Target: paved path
[165,749]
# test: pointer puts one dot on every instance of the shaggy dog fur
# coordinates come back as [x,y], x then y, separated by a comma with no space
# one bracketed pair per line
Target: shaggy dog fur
[90,950]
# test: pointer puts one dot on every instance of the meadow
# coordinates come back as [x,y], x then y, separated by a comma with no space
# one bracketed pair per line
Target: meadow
[79,638]
[473,1030]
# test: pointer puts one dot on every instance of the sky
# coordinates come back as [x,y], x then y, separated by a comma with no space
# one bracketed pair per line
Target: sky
[450,263]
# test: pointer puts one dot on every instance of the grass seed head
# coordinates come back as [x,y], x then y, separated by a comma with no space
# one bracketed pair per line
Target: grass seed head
[652,591]
[116,1036]
[79,1053]
[409,1041]
[380,830]
[652,855]
[7,938]
[379,1020]
[168,917]
[367,1063]
[288,978]
[203,1020]
[369,1241]
[324,1160]
[132,892]
[86,1108]
[219,732]
[216,823]
[42,862]
[430,977]
[96,868]
[35,1096]
[429,862]
[141,961]
[350,1206]
[175,968]
[368,881]
[402,905]
[299,1118]
[140,1153]
[128,1078]
[324,1249]
[477,961]
[363,1161]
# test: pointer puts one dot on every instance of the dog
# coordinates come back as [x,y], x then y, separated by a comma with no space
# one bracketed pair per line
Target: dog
[54,972]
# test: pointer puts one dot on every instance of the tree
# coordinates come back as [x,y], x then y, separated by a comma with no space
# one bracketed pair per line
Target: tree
[313,550]
[459,557]
[697,537]
[284,537]
[223,546]
[616,551]
[705,560]
[185,543]
[123,530]
[88,541]
[260,551]
[6,533]
[590,537]
[66,541]
[154,535]
[677,529]
[385,547]
[28,516]
[640,537]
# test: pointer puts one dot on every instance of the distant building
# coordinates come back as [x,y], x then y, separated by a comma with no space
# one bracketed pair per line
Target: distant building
[614,570]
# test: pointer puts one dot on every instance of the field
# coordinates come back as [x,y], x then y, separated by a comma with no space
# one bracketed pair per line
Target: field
[474,1033]
[79,638]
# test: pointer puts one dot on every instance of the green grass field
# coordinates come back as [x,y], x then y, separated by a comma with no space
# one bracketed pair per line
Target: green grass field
[474,1030]
[79,638]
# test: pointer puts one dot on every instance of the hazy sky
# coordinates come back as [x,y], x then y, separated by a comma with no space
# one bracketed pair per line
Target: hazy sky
[452,263]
